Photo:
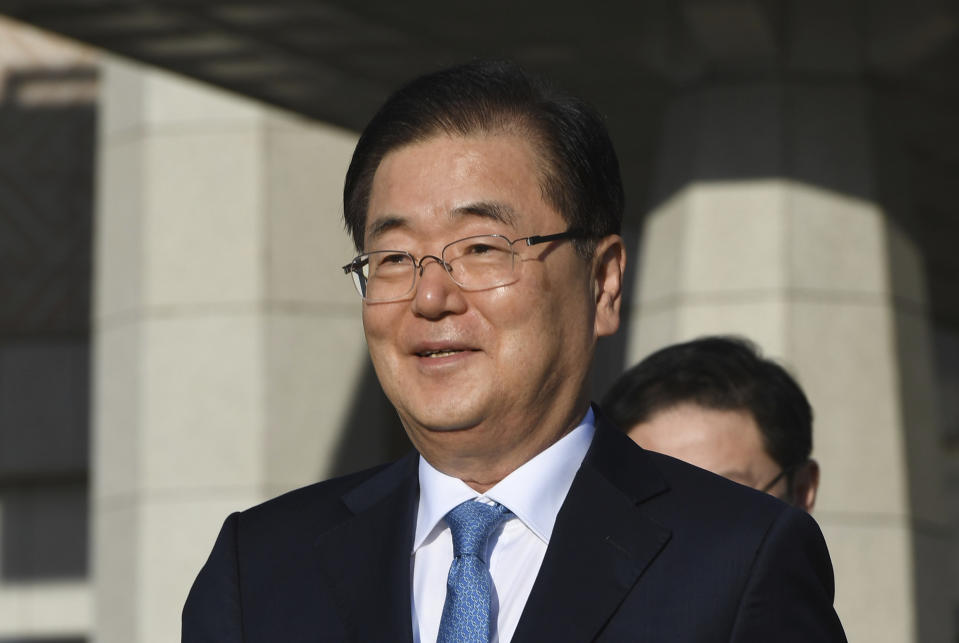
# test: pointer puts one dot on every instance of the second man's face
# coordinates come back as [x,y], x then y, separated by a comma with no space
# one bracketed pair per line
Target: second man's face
[727,442]
[481,369]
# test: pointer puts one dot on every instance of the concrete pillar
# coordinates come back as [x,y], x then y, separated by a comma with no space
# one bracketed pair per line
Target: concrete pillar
[767,223]
[228,344]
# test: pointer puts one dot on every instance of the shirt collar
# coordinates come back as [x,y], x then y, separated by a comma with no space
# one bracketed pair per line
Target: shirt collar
[534,492]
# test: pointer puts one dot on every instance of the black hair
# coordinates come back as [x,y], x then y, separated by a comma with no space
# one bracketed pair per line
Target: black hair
[580,176]
[726,373]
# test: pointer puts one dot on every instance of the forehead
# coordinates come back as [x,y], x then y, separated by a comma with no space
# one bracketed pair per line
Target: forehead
[710,438]
[454,181]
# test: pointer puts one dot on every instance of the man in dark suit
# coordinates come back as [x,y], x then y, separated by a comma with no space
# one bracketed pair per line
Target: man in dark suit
[486,207]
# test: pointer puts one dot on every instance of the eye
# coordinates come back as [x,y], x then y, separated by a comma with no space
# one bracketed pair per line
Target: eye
[388,261]
[479,248]
[395,258]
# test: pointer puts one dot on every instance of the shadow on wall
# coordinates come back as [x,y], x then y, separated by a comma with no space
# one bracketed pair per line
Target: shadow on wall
[47,125]
[44,530]
[372,433]
[916,178]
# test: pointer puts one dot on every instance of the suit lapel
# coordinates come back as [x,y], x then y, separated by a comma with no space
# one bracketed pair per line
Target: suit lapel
[601,543]
[367,557]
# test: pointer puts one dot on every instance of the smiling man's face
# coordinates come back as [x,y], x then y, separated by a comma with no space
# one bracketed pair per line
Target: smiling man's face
[493,375]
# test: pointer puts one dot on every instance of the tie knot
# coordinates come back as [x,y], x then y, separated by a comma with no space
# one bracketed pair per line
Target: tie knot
[471,524]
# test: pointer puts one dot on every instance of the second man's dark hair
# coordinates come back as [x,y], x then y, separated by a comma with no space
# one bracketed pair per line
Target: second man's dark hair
[580,174]
[725,373]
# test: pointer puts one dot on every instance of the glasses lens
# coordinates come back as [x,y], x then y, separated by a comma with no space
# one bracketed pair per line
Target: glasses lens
[386,275]
[480,262]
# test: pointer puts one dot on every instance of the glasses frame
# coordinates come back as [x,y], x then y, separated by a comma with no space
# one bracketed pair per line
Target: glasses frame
[355,266]
[785,472]
[772,483]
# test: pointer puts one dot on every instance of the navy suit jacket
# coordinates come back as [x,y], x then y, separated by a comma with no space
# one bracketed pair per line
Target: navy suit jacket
[645,548]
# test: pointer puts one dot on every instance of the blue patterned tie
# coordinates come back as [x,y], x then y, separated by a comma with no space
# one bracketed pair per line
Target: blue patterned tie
[466,613]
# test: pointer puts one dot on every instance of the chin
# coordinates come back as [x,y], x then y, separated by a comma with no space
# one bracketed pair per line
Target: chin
[449,419]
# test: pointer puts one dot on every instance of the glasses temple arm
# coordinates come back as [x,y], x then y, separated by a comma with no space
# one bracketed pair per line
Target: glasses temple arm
[569,234]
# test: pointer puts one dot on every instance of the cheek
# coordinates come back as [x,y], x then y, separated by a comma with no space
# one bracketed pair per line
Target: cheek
[379,327]
[529,325]
[371,325]
[510,310]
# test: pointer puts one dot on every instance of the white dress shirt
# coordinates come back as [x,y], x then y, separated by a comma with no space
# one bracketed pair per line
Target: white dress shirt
[534,493]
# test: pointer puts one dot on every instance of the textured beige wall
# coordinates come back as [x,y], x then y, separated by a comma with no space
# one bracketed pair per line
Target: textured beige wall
[227,340]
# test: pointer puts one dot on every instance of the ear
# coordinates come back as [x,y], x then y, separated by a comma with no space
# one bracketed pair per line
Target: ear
[609,262]
[806,484]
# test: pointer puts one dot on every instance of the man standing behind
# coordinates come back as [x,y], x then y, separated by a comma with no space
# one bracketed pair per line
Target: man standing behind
[716,403]
[486,208]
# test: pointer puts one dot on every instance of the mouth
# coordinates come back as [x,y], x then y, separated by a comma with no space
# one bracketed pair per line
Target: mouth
[439,350]
[444,352]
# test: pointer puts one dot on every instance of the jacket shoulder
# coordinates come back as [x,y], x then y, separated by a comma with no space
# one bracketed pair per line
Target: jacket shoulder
[676,493]
[317,506]
[261,578]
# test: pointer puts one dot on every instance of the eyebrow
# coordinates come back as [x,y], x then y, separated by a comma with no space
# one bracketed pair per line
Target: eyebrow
[493,210]
[384,224]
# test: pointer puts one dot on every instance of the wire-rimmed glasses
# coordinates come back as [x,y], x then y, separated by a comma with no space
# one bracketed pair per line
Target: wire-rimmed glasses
[474,263]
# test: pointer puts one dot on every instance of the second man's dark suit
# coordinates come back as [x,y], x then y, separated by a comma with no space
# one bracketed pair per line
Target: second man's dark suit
[645,548]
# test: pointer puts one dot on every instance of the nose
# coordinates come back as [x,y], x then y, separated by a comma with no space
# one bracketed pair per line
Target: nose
[436,294]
